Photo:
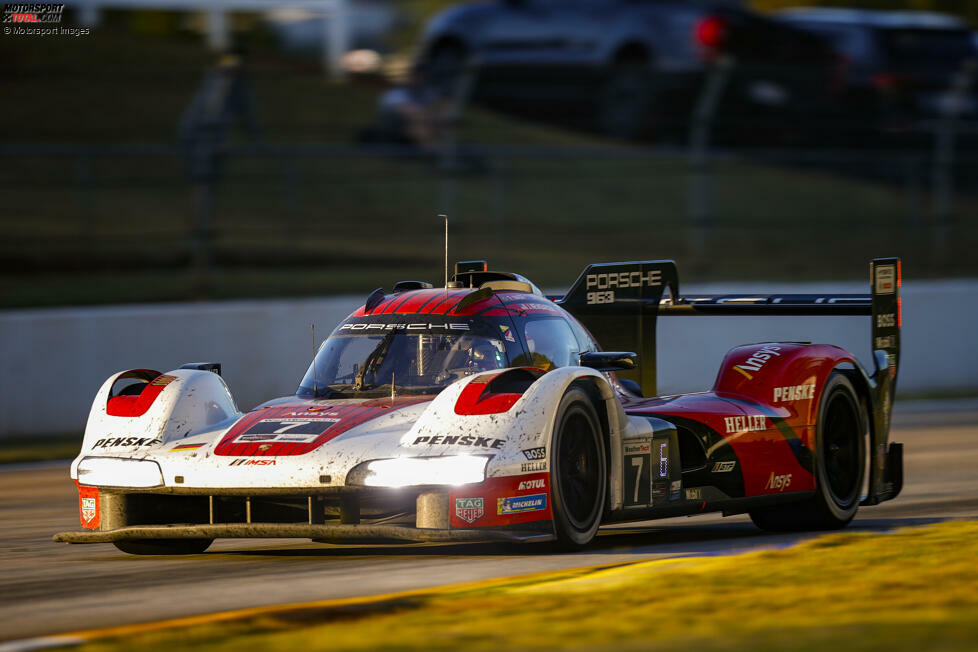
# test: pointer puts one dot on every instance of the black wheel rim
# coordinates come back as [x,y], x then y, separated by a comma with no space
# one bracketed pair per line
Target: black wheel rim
[840,450]
[578,461]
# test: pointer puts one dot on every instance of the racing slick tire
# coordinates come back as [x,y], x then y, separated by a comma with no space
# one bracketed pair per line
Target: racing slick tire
[163,546]
[578,471]
[840,463]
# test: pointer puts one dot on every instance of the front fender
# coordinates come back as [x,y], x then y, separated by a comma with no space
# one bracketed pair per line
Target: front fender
[183,402]
[519,437]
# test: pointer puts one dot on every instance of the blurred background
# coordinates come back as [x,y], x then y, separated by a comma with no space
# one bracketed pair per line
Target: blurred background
[188,150]
[175,150]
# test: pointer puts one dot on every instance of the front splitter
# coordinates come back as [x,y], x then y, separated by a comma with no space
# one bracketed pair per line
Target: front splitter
[299,531]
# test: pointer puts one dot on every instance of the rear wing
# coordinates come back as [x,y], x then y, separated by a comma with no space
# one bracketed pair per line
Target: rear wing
[620,303]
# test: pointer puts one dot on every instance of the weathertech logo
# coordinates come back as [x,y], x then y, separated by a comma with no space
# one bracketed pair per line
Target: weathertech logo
[32,13]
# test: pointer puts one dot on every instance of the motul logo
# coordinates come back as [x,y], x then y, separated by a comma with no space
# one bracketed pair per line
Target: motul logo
[532,484]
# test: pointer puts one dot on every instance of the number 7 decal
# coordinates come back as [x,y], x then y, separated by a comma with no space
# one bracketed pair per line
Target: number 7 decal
[290,426]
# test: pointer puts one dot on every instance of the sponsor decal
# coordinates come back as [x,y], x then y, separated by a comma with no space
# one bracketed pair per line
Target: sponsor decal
[675,489]
[644,447]
[885,279]
[528,467]
[451,326]
[635,279]
[694,494]
[296,438]
[757,360]
[535,453]
[749,423]
[778,482]
[469,510]
[724,467]
[794,393]
[520,504]
[459,440]
[507,333]
[539,483]
[245,461]
[288,437]
[113,442]
[887,342]
[186,447]
[886,320]
[88,509]
[253,438]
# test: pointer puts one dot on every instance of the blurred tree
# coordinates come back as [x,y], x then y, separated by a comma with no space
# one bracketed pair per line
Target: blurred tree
[966,9]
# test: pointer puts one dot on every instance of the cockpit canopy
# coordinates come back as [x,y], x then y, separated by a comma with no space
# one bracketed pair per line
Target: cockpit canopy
[373,355]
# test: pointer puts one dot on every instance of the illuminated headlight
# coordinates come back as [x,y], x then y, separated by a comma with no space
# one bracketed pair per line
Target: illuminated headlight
[119,472]
[412,471]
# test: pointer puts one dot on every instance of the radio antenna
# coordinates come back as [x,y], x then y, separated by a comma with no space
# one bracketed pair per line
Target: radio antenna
[315,383]
[442,215]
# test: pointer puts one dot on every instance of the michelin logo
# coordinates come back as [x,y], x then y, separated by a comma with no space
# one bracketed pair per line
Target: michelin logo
[520,504]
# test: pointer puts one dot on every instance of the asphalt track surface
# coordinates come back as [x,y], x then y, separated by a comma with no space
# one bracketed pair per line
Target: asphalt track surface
[48,588]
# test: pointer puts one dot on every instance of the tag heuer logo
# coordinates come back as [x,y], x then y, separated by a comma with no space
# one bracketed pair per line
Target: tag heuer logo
[469,510]
[88,509]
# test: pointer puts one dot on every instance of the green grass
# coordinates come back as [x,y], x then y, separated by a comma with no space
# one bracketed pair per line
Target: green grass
[906,591]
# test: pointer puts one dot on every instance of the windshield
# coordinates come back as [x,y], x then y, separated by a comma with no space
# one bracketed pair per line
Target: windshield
[363,359]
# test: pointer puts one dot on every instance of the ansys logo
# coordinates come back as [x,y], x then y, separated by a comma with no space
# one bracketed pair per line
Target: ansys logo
[33,13]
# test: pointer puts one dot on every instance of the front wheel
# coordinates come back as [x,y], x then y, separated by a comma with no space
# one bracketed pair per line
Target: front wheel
[840,463]
[163,546]
[578,471]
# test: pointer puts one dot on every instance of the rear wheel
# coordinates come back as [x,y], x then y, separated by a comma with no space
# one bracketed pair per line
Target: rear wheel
[577,471]
[163,546]
[840,464]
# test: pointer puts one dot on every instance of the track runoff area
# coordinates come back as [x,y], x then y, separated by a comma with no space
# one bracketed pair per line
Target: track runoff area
[707,572]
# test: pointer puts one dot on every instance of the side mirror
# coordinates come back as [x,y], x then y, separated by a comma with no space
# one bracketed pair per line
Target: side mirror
[609,360]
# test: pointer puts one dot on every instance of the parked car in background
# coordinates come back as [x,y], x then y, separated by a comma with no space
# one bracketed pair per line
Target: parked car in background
[628,67]
[900,66]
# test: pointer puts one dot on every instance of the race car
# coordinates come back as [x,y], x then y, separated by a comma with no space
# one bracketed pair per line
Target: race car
[485,410]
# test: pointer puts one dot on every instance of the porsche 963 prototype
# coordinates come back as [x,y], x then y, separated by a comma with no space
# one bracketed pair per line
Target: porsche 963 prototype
[485,410]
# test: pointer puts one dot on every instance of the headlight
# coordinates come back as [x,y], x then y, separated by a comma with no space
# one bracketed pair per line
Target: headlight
[119,472]
[412,471]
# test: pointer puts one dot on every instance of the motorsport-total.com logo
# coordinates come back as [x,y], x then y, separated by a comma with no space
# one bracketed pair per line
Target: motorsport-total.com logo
[37,19]
[33,13]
